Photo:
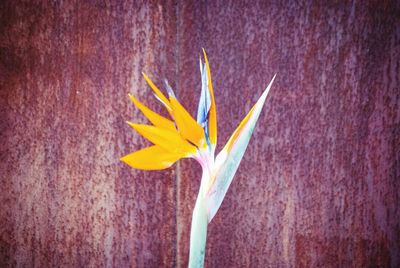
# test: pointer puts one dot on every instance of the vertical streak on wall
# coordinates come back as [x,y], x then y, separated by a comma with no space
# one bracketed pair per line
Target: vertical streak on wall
[179,253]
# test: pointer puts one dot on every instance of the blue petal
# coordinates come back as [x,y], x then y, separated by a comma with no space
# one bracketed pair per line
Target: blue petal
[205,98]
[204,103]
[169,89]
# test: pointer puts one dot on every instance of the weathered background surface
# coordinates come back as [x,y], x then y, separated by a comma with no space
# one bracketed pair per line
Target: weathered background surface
[319,184]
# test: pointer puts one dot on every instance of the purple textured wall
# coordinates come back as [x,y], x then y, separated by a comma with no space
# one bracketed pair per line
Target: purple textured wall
[319,184]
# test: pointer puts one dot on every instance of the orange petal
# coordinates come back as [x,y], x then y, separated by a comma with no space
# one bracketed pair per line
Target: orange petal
[151,158]
[156,119]
[159,94]
[188,127]
[212,120]
[167,139]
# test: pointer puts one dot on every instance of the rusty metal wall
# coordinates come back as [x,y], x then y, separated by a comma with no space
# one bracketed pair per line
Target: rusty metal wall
[319,184]
[67,200]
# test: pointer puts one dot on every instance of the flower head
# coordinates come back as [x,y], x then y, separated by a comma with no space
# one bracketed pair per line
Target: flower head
[185,137]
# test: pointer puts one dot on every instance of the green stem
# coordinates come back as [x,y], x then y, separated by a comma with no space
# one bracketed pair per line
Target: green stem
[198,233]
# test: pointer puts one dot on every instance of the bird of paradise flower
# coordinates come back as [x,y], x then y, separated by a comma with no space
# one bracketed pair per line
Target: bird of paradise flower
[186,137]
